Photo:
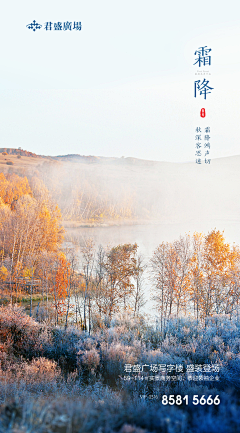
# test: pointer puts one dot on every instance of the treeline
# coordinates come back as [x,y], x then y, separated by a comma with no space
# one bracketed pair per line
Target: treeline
[106,282]
[89,203]
[85,195]
[90,286]
[19,151]
[196,275]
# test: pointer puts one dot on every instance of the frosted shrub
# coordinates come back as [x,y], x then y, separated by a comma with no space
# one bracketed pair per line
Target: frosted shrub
[19,332]
[53,401]
[230,371]
[86,342]
[88,356]
[234,343]
[41,370]
[63,347]
[127,328]
[89,360]
[127,320]
[114,356]
[119,334]
[184,329]
[159,357]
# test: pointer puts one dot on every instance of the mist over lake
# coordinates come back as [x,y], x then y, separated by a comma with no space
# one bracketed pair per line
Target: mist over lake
[149,236]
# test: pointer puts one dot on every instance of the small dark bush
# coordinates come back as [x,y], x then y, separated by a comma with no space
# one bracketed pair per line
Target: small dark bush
[9,163]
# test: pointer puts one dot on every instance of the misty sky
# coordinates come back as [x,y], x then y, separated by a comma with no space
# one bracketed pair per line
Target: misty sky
[124,84]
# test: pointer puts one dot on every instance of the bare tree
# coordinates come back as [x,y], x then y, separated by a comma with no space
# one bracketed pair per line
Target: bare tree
[138,292]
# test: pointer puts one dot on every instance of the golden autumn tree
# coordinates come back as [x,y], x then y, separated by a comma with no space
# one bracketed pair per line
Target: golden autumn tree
[29,225]
[218,259]
[12,187]
[120,265]
[60,285]
[198,275]
[32,226]
[3,273]
[214,275]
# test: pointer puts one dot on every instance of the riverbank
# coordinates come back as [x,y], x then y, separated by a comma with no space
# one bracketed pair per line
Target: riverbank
[106,223]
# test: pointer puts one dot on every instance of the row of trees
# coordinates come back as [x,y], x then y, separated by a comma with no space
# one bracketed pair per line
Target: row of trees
[197,275]
[92,285]
[88,202]
[87,195]
[112,281]
[31,256]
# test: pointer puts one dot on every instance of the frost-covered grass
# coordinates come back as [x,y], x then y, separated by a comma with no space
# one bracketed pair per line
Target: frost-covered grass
[56,380]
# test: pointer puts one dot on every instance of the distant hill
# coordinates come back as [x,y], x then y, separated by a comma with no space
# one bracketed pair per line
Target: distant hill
[77,158]
[103,159]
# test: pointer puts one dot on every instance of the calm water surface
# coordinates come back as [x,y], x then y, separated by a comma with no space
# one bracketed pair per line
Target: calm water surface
[149,236]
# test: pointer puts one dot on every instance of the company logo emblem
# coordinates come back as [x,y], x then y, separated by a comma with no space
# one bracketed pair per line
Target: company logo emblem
[34,26]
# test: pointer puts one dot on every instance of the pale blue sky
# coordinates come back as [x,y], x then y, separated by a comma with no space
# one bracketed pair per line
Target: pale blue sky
[123,85]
